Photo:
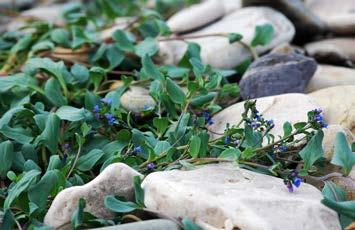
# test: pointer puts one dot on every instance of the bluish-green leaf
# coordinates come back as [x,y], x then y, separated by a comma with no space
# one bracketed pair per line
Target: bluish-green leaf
[6,157]
[194,148]
[88,161]
[263,35]
[175,93]
[70,113]
[50,134]
[123,41]
[230,154]
[147,47]
[119,206]
[53,92]
[343,156]
[313,150]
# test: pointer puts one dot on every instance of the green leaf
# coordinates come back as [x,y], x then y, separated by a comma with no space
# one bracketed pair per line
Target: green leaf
[44,45]
[234,37]
[119,206]
[161,147]
[115,56]
[50,133]
[138,191]
[88,161]
[70,113]
[8,220]
[6,157]
[53,92]
[343,156]
[123,41]
[252,139]
[78,215]
[147,47]
[333,191]
[79,37]
[20,80]
[248,153]
[150,69]
[313,150]
[175,92]
[60,36]
[18,134]
[22,185]
[80,72]
[287,127]
[263,35]
[190,225]
[194,148]
[230,154]
[346,208]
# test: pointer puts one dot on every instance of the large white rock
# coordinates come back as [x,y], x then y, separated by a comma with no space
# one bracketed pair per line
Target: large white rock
[339,16]
[291,107]
[137,99]
[338,104]
[217,51]
[328,76]
[115,179]
[224,196]
[196,16]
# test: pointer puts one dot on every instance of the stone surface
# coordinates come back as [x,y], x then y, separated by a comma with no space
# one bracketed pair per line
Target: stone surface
[196,16]
[217,51]
[328,76]
[329,138]
[275,74]
[287,107]
[137,99]
[115,179]
[339,16]
[335,50]
[338,104]
[347,184]
[226,196]
[304,20]
[286,48]
[78,55]
[158,224]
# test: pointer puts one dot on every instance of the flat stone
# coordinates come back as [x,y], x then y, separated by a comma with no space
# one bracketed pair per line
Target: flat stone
[335,50]
[137,99]
[339,17]
[196,16]
[328,76]
[338,104]
[275,74]
[304,20]
[224,195]
[329,137]
[286,48]
[287,107]
[158,224]
[217,51]
[115,179]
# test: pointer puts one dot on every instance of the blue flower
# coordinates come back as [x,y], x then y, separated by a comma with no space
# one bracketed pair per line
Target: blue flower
[110,118]
[66,146]
[289,186]
[270,123]
[208,118]
[297,181]
[138,150]
[235,142]
[254,125]
[318,118]
[282,148]
[107,101]
[227,140]
[96,109]
[151,166]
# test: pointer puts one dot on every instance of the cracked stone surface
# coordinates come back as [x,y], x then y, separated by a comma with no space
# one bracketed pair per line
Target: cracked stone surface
[291,107]
[115,179]
[338,104]
[224,196]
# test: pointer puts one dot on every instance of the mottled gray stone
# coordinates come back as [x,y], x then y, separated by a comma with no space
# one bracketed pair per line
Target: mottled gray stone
[276,74]
[304,20]
[159,224]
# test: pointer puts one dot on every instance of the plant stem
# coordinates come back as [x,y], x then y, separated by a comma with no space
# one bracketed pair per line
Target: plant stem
[75,161]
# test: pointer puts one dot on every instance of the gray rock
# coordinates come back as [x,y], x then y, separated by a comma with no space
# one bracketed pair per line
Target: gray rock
[275,74]
[304,20]
[159,224]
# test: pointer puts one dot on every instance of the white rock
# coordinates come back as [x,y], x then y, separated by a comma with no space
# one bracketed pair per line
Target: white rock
[291,107]
[328,76]
[339,17]
[336,48]
[217,51]
[226,196]
[115,179]
[137,99]
[338,104]
[196,16]
[231,6]
[329,138]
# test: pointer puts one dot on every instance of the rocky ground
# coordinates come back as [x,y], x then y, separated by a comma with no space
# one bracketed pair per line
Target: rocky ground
[307,63]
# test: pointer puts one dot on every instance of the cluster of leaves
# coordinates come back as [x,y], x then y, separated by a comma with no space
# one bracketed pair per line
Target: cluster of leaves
[60,125]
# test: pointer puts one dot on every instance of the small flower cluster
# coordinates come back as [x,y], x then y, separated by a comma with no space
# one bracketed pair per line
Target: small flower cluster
[101,111]
[138,150]
[228,140]
[208,118]
[282,148]
[257,120]
[293,180]
[317,117]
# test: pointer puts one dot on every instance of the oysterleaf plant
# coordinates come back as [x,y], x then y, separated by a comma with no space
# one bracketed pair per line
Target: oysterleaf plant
[61,124]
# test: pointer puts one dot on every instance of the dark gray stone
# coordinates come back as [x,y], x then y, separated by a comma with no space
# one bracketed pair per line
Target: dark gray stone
[275,74]
[304,20]
[158,224]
